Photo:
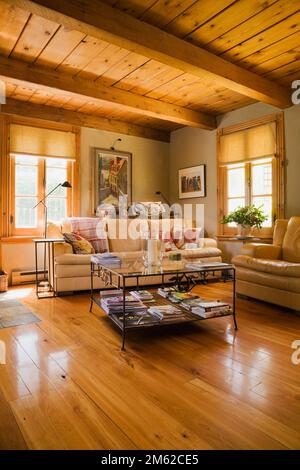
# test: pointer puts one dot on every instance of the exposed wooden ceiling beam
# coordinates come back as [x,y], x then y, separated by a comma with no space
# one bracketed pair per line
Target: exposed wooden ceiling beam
[15,69]
[49,113]
[112,25]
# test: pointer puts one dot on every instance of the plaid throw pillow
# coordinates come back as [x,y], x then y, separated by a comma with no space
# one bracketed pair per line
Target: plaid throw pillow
[93,230]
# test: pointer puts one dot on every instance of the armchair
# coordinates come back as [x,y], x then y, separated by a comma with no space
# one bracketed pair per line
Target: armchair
[272,272]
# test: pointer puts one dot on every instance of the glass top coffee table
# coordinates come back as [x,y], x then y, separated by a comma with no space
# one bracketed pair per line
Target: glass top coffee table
[127,276]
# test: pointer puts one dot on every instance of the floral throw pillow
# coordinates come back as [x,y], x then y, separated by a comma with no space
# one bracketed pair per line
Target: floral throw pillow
[169,244]
[189,236]
[178,239]
[80,245]
[192,235]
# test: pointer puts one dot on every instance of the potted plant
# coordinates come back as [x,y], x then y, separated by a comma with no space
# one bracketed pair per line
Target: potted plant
[246,218]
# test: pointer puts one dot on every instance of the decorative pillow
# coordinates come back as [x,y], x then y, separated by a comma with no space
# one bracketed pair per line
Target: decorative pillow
[83,247]
[178,239]
[80,245]
[166,237]
[192,235]
[93,230]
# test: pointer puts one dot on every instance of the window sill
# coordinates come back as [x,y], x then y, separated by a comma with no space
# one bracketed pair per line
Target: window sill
[233,238]
[18,239]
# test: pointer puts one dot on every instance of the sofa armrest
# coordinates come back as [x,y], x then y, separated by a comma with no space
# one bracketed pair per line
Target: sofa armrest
[208,243]
[62,248]
[261,250]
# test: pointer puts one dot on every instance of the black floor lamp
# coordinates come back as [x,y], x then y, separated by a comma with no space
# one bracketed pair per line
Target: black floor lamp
[159,193]
[66,184]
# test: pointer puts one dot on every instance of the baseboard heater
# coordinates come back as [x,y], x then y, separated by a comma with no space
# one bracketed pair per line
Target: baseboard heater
[26,276]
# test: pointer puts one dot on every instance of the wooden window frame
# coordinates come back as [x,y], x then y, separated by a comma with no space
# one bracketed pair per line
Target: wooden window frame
[278,173]
[39,230]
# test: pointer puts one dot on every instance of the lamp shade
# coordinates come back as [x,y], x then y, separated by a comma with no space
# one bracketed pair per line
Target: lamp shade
[66,184]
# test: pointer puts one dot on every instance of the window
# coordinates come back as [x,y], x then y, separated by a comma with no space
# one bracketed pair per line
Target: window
[26,192]
[32,179]
[251,171]
[56,173]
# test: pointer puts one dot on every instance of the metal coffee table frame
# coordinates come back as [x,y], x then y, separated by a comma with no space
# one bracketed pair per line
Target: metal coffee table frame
[114,277]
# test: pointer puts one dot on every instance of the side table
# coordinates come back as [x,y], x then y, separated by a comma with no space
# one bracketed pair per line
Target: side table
[48,253]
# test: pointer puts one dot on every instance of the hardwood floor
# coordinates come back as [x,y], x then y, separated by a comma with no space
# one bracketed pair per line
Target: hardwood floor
[67,385]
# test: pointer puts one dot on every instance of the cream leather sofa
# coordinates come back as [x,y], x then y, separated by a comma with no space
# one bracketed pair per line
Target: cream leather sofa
[72,271]
[272,272]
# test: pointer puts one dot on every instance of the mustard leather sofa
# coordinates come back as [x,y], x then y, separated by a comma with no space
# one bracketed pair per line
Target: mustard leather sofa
[272,272]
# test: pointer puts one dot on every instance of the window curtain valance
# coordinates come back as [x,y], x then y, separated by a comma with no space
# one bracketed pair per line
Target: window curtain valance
[249,144]
[42,142]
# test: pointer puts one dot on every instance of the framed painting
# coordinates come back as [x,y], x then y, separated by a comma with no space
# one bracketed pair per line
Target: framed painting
[192,182]
[112,177]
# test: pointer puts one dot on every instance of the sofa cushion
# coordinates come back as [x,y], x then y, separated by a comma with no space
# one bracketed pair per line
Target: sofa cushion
[261,250]
[279,231]
[201,252]
[86,259]
[92,229]
[276,267]
[126,234]
[291,241]
[291,284]
[71,258]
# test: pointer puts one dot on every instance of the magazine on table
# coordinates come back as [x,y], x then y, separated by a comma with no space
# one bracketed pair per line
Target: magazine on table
[200,265]
[142,294]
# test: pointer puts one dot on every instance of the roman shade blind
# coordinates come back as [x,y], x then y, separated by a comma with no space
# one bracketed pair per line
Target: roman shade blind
[42,142]
[249,144]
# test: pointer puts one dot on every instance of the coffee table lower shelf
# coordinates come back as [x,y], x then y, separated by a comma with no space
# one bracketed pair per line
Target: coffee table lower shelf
[187,317]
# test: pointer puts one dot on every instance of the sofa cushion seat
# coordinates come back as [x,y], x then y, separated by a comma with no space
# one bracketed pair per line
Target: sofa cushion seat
[280,283]
[70,258]
[67,258]
[275,267]
[207,252]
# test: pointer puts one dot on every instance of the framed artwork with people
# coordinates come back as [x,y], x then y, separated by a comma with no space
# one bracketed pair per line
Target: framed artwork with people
[192,182]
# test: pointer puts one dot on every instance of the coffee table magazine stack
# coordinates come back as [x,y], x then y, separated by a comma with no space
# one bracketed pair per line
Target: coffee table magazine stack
[175,279]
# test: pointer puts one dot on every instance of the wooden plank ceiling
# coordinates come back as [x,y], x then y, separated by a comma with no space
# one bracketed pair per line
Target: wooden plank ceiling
[262,36]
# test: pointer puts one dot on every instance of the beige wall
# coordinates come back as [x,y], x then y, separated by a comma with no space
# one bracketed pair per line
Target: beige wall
[150,164]
[19,256]
[191,147]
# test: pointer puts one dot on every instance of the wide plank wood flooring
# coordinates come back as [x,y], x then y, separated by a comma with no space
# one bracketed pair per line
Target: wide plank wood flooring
[67,385]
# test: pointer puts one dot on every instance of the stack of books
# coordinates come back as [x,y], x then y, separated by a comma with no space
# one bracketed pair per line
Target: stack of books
[200,265]
[179,297]
[188,304]
[211,309]
[114,304]
[165,291]
[166,312]
[107,259]
[134,320]
[143,295]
